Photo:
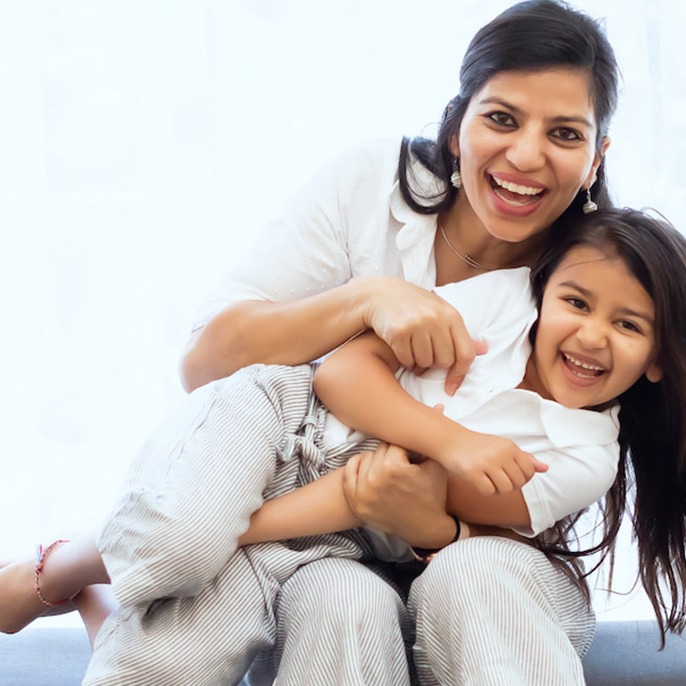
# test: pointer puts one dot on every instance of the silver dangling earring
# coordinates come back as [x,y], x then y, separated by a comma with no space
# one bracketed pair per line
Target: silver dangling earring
[589,206]
[456,177]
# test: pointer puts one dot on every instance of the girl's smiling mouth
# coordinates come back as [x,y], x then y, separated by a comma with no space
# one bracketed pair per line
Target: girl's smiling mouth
[581,369]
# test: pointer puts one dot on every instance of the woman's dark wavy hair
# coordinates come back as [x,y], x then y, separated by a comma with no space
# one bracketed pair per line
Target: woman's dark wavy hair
[529,36]
[652,416]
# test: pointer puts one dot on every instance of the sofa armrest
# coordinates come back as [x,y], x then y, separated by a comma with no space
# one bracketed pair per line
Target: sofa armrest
[627,654]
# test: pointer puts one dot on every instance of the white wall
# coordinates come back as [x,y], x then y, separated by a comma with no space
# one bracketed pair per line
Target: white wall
[142,142]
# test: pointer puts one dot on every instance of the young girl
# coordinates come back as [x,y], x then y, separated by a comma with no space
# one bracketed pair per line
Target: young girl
[611,298]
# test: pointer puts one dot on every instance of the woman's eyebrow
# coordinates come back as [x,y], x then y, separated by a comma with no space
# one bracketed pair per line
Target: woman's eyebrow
[560,119]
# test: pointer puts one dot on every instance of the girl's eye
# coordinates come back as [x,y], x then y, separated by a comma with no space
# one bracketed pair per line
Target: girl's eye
[501,118]
[566,134]
[577,303]
[629,326]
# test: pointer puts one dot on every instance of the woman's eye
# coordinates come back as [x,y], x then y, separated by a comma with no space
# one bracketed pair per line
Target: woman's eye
[501,118]
[566,134]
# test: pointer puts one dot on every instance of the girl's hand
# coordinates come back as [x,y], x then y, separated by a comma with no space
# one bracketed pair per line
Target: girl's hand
[387,491]
[490,463]
[421,328]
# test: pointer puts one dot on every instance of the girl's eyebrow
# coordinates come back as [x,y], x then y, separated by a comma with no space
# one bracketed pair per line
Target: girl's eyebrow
[622,310]
[574,119]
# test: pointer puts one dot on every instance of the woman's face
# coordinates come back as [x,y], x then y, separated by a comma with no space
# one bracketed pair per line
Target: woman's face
[527,145]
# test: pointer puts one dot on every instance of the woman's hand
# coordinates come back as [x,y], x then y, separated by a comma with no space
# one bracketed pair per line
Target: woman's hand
[387,491]
[421,328]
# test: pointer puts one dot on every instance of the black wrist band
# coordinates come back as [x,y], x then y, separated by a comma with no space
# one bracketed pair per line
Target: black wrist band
[426,554]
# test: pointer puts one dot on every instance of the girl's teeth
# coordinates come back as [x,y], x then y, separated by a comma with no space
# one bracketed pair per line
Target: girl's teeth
[583,365]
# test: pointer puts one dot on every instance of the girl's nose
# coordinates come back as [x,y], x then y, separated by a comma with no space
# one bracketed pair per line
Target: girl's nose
[592,334]
[526,149]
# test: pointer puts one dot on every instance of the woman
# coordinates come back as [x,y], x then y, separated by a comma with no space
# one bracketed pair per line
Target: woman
[518,152]
[527,133]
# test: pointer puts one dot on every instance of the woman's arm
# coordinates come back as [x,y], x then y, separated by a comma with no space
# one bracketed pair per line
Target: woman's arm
[321,507]
[358,384]
[387,491]
[421,328]
[412,505]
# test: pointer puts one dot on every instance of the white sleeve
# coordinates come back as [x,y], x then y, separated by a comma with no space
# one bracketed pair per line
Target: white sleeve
[576,479]
[309,249]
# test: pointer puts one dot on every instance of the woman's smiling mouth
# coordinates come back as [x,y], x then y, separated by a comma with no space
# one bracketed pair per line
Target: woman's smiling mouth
[515,194]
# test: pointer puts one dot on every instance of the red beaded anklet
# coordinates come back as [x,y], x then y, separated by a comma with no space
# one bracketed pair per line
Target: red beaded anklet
[41,554]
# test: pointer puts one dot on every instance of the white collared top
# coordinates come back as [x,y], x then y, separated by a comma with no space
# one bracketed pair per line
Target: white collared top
[349,221]
[580,446]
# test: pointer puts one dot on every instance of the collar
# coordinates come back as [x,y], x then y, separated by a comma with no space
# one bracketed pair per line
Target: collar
[415,239]
[568,427]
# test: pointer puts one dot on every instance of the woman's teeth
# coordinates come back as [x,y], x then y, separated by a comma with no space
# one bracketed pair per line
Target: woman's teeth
[516,188]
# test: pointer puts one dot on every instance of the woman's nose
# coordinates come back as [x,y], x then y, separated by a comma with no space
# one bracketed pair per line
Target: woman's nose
[526,149]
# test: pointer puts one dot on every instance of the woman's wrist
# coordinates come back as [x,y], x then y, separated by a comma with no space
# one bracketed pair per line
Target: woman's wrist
[459,529]
[367,292]
[441,533]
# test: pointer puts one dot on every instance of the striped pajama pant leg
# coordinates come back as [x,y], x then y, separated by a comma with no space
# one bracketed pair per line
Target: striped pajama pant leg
[193,613]
[193,486]
[338,622]
[494,612]
[210,639]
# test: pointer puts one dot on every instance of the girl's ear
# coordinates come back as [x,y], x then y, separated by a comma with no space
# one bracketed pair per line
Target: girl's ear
[654,373]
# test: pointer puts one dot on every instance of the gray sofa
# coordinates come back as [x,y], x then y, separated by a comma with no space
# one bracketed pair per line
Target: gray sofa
[623,653]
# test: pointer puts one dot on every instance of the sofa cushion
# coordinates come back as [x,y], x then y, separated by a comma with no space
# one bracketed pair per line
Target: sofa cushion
[622,654]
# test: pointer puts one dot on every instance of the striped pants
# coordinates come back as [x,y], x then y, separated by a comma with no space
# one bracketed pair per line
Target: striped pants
[196,611]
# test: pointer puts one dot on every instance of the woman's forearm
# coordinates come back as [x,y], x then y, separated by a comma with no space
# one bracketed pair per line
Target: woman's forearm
[292,332]
[303,330]
[317,508]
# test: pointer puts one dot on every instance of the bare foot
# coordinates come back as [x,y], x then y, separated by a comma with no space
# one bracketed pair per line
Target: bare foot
[19,604]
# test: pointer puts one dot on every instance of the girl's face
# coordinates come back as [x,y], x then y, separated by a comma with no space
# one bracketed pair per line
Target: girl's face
[595,334]
[527,145]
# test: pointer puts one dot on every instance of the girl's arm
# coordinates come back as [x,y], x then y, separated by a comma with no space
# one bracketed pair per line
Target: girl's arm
[358,384]
[321,507]
[301,330]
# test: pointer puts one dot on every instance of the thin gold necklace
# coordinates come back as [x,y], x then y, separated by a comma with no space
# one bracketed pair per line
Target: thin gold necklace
[466,258]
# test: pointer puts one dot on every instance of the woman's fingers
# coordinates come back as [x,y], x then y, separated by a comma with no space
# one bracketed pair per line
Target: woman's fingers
[465,350]
[422,329]
[350,470]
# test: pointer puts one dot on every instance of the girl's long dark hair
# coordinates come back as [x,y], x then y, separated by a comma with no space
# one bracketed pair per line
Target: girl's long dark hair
[652,417]
[529,36]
